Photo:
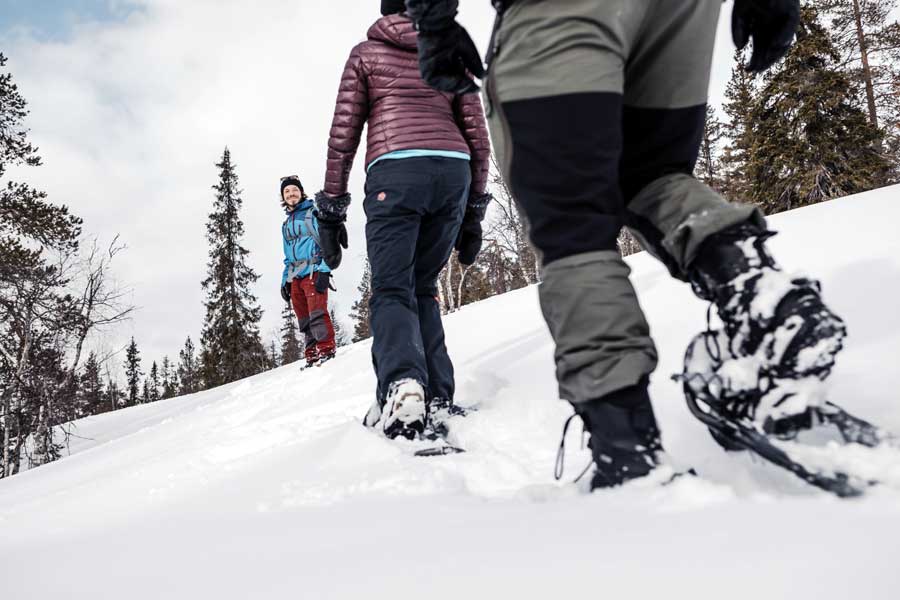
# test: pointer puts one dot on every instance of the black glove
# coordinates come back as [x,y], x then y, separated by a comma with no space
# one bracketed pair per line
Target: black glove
[468,242]
[333,237]
[770,23]
[447,55]
[331,213]
[323,280]
[286,291]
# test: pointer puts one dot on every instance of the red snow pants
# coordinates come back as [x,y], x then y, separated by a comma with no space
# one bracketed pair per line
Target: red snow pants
[311,309]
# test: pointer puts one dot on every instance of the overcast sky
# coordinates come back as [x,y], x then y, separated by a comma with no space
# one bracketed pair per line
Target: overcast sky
[133,101]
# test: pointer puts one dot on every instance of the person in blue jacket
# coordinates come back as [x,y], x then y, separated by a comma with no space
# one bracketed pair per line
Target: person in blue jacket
[306,277]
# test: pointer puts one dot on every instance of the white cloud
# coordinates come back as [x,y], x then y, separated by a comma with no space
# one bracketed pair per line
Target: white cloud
[131,116]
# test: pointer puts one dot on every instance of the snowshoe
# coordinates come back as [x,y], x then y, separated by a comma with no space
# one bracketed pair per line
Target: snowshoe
[747,408]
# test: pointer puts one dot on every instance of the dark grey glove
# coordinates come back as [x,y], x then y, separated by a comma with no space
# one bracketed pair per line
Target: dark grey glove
[331,213]
[447,54]
[286,291]
[771,24]
[468,242]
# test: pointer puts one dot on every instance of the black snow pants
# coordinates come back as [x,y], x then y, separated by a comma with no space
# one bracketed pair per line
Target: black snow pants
[414,209]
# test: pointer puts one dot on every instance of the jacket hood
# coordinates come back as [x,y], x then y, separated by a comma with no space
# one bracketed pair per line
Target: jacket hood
[396,30]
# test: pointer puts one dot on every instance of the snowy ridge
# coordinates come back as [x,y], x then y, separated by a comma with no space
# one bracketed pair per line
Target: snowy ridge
[271,488]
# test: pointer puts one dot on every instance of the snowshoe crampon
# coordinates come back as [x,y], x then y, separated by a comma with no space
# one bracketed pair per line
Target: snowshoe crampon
[438,450]
[744,409]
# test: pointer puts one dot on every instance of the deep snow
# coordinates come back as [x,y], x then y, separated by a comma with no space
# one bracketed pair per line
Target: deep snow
[270,487]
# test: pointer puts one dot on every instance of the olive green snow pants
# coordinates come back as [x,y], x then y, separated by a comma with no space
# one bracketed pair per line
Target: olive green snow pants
[596,111]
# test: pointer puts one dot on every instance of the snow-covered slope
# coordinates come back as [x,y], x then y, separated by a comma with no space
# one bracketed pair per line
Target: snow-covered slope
[270,487]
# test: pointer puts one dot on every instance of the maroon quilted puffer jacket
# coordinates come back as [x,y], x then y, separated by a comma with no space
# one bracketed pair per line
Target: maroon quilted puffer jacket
[381,84]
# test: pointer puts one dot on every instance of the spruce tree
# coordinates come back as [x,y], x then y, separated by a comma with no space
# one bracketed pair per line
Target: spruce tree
[169,379]
[272,356]
[133,373]
[740,94]
[708,168]
[153,382]
[91,397]
[113,398]
[810,140]
[188,369]
[359,312]
[290,346]
[340,334]
[231,345]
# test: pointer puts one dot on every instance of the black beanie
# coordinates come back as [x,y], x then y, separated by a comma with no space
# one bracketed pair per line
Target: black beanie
[392,7]
[291,181]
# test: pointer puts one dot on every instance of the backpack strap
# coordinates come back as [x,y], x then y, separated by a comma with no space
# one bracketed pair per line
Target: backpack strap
[296,268]
[308,221]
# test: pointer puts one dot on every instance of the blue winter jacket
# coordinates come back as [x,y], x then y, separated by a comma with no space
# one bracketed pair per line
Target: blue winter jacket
[302,255]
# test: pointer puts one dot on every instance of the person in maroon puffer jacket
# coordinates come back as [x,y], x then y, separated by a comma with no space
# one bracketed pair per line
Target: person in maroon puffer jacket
[427,166]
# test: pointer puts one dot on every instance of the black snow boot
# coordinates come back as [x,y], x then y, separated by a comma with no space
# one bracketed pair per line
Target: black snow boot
[624,438]
[404,409]
[778,319]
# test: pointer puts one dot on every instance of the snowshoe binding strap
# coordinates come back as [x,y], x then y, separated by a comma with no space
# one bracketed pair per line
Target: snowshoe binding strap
[559,466]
